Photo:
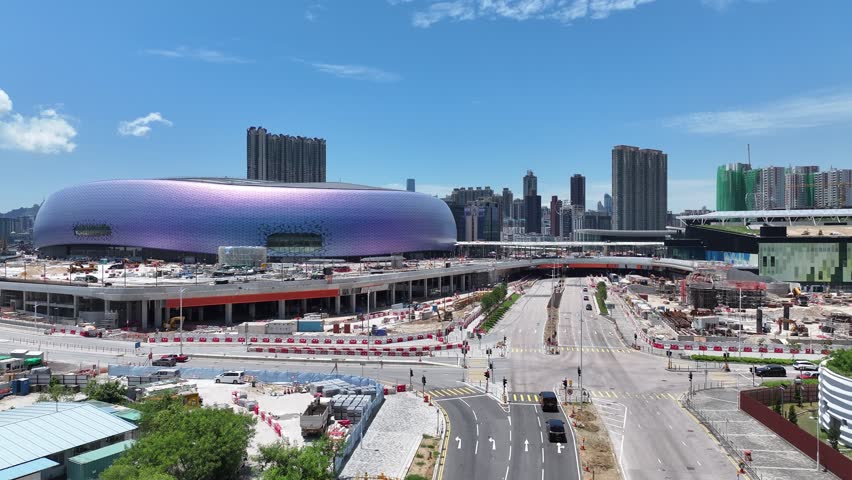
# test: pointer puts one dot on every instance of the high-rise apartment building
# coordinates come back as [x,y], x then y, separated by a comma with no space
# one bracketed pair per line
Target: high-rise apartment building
[769,189]
[799,187]
[284,158]
[555,211]
[833,189]
[731,190]
[518,211]
[578,190]
[639,188]
[532,203]
[409,185]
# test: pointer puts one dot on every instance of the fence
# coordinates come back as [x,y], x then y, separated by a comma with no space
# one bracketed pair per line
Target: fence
[834,461]
[271,376]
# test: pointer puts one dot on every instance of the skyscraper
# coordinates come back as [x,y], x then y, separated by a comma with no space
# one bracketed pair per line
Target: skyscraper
[284,158]
[833,189]
[578,190]
[731,187]
[555,211]
[639,188]
[608,203]
[507,203]
[532,203]
[770,188]
[530,184]
[409,185]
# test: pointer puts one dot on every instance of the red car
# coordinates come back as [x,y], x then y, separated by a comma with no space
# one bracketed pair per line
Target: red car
[809,374]
[178,358]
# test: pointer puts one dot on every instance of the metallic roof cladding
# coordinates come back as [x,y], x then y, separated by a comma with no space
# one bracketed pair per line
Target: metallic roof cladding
[199,217]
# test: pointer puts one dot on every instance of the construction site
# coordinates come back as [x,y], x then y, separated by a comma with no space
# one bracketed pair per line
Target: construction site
[718,302]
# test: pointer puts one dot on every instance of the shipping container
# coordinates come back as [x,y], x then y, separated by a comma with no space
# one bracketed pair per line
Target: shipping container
[90,465]
[310,325]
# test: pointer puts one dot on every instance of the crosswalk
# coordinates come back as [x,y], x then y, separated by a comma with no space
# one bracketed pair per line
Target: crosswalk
[541,348]
[476,369]
[533,398]
[453,392]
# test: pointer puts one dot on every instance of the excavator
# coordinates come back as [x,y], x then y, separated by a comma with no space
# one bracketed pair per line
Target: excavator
[174,323]
[801,298]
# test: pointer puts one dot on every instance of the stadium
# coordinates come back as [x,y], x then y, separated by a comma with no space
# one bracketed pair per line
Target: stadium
[190,218]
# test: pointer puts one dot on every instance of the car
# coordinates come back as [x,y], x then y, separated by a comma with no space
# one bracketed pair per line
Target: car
[588,306]
[233,376]
[164,362]
[180,358]
[770,371]
[802,365]
[809,374]
[556,431]
[548,401]
[585,289]
[586,298]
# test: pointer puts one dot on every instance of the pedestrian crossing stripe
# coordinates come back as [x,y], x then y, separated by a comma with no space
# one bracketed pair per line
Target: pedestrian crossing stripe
[525,397]
[644,396]
[575,349]
[452,392]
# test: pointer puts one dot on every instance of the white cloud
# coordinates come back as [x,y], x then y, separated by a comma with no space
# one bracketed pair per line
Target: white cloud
[140,127]
[722,5]
[47,132]
[202,54]
[564,11]
[792,113]
[357,72]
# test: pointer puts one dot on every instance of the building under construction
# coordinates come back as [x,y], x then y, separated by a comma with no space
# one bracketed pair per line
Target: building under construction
[709,288]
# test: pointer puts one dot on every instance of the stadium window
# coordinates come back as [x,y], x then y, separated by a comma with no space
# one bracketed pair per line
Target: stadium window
[764,261]
[294,243]
[772,261]
[92,230]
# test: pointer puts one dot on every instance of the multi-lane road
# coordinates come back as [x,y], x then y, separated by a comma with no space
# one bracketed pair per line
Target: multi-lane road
[652,436]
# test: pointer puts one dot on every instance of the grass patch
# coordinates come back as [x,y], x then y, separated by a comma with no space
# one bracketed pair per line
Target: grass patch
[807,421]
[498,312]
[753,360]
[841,362]
[787,383]
[423,467]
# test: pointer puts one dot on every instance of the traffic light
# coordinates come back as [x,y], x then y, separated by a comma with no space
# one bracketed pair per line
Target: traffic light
[579,372]
[487,375]
[424,380]
[491,365]
[504,381]
[565,384]
[410,372]
[690,376]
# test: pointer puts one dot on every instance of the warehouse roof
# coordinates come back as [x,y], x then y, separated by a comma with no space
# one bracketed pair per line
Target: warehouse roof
[25,469]
[101,453]
[47,428]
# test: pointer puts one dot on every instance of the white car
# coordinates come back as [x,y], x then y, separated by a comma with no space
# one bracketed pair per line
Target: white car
[233,376]
[802,365]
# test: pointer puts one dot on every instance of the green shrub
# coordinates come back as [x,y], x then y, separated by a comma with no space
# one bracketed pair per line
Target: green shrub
[841,362]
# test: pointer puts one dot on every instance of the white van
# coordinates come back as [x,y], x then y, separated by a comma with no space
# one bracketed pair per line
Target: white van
[233,376]
[166,373]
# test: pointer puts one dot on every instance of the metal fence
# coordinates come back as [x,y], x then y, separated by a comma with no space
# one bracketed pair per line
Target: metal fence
[270,376]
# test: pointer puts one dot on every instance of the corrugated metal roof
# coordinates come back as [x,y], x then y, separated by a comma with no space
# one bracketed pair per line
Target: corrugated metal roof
[104,452]
[47,428]
[25,469]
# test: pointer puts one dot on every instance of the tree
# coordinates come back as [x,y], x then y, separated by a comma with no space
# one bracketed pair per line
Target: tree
[777,406]
[55,392]
[792,415]
[109,391]
[311,462]
[797,394]
[185,443]
[834,433]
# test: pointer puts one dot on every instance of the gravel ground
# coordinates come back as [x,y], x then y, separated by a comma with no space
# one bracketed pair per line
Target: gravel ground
[393,437]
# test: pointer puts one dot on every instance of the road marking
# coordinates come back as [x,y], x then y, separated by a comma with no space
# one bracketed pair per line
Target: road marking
[699,463]
[476,449]
[670,426]
[539,421]
[458,440]
[514,399]
[526,445]
[559,448]
[661,462]
[684,443]
[608,395]
[542,454]
[507,473]
[493,443]
[542,470]
[510,421]
[510,436]
[541,434]
[477,429]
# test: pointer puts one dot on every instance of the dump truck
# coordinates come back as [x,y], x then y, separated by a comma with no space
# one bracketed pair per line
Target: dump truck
[315,418]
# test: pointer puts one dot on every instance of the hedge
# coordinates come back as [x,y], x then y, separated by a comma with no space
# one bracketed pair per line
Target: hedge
[498,312]
[735,359]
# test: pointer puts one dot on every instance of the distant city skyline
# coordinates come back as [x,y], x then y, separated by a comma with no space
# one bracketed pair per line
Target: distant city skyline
[423,96]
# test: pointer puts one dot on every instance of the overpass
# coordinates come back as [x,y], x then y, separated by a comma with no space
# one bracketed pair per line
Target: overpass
[144,305]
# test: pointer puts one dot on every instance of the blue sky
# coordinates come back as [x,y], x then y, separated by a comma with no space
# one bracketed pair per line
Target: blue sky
[452,93]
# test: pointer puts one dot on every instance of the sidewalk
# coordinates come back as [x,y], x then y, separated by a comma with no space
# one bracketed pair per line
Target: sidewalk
[773,458]
[392,439]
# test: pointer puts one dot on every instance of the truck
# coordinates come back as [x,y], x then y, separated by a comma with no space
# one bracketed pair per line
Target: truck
[315,418]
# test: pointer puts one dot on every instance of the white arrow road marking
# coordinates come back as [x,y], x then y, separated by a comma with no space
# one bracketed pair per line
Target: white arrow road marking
[526,445]
[458,440]
[493,443]
[558,448]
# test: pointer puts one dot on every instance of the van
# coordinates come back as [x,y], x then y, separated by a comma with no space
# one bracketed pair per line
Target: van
[549,402]
[233,376]
[166,373]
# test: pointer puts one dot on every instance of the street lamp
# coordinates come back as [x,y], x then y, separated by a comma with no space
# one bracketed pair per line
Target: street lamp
[180,319]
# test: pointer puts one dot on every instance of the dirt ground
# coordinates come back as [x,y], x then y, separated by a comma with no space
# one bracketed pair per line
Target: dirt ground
[597,455]
[424,459]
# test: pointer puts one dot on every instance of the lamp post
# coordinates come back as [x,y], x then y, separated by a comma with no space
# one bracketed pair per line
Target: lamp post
[180,319]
